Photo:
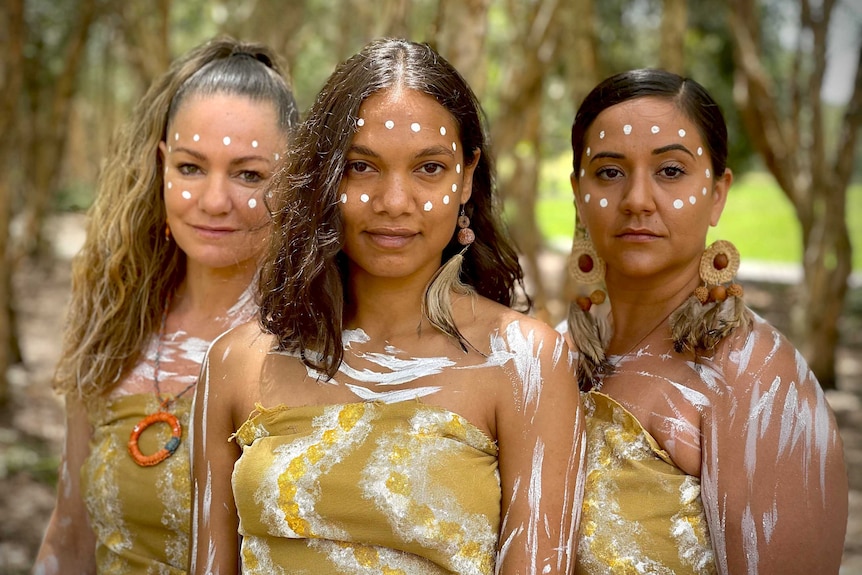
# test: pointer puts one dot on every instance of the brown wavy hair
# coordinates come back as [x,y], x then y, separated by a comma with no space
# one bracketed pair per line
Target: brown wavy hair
[303,278]
[127,268]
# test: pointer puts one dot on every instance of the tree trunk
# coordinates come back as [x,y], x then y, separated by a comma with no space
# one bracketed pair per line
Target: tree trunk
[11,74]
[462,26]
[674,21]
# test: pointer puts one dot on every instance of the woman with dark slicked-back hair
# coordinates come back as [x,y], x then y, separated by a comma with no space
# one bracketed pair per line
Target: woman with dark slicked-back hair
[690,398]
[174,239]
[404,418]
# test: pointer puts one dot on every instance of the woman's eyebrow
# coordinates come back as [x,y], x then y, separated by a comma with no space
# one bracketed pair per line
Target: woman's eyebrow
[670,147]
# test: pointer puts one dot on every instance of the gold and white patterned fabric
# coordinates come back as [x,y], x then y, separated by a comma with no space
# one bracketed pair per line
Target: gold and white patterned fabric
[428,500]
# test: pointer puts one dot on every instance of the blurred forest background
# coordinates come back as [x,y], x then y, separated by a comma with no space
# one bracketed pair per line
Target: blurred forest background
[786,72]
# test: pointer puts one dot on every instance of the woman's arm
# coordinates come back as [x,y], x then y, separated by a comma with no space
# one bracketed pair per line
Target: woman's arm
[541,437]
[214,519]
[69,545]
[773,476]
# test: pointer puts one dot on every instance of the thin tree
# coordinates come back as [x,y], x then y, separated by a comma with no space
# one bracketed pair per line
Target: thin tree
[785,119]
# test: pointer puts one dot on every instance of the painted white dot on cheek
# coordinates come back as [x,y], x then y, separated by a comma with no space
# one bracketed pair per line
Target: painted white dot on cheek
[226,140]
[627,129]
[254,143]
[252,203]
[588,152]
[681,133]
[699,151]
[457,168]
[446,200]
[583,172]
[364,198]
[602,135]
[454,188]
[603,202]
[187,194]
[343,198]
[587,199]
[427,207]
[442,130]
[360,122]
[677,203]
[170,185]
[196,137]
[707,172]
[703,191]
[176,136]
[655,129]
[415,127]
[454,147]
[389,124]
[692,200]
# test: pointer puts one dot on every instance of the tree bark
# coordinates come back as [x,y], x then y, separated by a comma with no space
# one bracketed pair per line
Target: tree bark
[674,20]
[462,27]
[816,186]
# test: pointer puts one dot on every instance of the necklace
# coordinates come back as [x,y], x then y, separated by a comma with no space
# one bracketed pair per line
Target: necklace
[162,415]
[608,366]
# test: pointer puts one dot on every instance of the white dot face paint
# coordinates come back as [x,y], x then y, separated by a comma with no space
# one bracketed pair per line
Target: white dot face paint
[587,199]
[364,198]
[703,191]
[627,129]
[428,205]
[389,124]
[360,122]
[276,156]
[187,194]
[602,135]
[692,200]
[454,147]
[226,141]
[176,136]
[603,202]
[457,168]
[677,203]
[254,143]
[252,203]
[589,151]
[170,149]
[707,172]
[415,127]
[446,200]
[196,137]
[170,185]
[655,129]
[699,151]
[343,198]
[583,171]
[442,130]
[681,133]
[454,188]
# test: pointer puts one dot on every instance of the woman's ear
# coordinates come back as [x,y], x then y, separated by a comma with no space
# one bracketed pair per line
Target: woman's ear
[467,186]
[719,196]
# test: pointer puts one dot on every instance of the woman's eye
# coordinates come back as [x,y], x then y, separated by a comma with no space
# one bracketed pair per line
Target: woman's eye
[188,169]
[358,167]
[672,172]
[431,169]
[608,173]
[251,177]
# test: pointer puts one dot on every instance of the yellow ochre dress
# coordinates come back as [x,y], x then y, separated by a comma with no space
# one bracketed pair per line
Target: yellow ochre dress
[141,516]
[641,513]
[401,488]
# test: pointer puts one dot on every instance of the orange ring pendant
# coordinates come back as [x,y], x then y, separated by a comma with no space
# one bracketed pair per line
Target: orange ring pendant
[170,447]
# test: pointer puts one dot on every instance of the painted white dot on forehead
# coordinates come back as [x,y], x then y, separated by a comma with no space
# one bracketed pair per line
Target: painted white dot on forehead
[415,126]
[226,140]
[364,198]
[276,156]
[627,129]
[343,198]
[187,194]
[389,124]
[360,122]
[442,130]
[677,203]
[454,147]
[176,136]
[602,135]
[428,205]
[457,168]
[681,133]
[254,143]
[446,200]
[692,200]
[588,151]
[699,151]
[655,129]
[707,172]
[196,137]
[603,202]
[252,203]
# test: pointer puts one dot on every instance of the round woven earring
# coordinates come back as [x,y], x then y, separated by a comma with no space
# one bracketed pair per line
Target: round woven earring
[586,267]
[718,265]
[466,236]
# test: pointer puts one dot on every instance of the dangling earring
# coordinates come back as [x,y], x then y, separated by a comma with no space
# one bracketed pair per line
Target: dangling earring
[466,236]
[714,310]
[167,232]
[437,303]
[590,332]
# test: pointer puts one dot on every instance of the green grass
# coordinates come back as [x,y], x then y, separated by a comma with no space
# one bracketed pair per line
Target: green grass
[758,218]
